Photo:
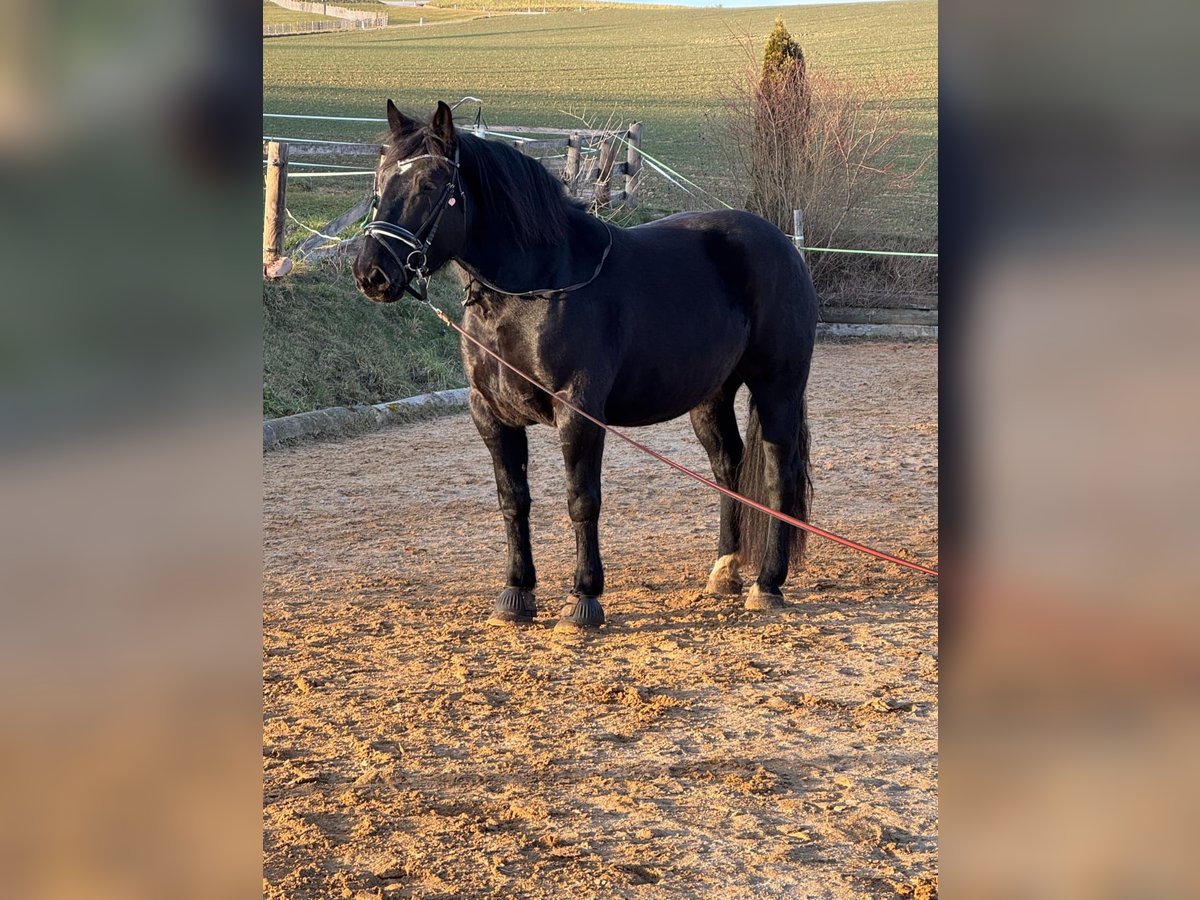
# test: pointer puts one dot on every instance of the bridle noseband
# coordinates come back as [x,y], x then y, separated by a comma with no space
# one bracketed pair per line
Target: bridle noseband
[416,263]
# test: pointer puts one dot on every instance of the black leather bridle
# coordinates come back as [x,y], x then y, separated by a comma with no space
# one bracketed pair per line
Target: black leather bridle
[415,264]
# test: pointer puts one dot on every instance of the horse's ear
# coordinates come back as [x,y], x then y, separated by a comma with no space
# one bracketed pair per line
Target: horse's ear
[398,121]
[443,123]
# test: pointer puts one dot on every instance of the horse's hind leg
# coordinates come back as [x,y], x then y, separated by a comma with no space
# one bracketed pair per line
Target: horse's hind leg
[583,452]
[716,426]
[510,457]
[781,419]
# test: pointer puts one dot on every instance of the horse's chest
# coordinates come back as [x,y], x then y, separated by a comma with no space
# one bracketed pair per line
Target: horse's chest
[514,400]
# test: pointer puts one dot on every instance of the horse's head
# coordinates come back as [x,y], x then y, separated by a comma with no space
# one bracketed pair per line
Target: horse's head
[420,216]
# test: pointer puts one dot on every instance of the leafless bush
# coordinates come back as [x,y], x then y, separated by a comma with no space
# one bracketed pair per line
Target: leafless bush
[801,138]
[594,133]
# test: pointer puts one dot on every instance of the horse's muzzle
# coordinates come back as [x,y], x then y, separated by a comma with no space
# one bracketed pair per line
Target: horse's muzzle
[377,286]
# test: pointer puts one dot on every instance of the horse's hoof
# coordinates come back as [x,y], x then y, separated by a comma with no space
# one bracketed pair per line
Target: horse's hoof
[513,606]
[758,599]
[724,580]
[723,587]
[586,612]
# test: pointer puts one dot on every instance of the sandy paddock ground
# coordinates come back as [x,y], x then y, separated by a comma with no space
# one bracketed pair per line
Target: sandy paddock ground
[689,749]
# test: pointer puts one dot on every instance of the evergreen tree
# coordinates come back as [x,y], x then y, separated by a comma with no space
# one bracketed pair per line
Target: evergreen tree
[779,157]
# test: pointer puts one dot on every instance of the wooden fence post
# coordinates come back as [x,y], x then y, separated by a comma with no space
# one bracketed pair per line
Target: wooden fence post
[590,173]
[633,165]
[608,150]
[798,230]
[275,264]
[571,169]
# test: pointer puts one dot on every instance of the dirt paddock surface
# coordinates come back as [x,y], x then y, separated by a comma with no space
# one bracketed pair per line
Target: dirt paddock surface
[690,749]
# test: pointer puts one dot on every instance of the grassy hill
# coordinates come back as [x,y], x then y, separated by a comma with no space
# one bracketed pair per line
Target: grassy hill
[324,344]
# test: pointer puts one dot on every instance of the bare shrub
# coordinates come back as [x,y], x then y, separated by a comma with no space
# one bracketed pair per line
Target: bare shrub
[797,137]
[594,133]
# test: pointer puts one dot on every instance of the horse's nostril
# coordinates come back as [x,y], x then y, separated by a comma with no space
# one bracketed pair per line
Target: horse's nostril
[377,279]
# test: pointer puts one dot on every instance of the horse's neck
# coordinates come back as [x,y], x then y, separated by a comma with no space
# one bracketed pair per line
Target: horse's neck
[497,257]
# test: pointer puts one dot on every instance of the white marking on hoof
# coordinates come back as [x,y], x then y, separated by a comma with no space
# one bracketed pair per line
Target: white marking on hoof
[565,628]
[758,599]
[725,580]
[584,612]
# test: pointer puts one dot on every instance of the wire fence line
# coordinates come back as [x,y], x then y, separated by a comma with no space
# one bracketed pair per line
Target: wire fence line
[343,19]
[284,29]
[300,140]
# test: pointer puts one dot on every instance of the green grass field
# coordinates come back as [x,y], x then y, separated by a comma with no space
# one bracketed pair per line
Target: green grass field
[669,68]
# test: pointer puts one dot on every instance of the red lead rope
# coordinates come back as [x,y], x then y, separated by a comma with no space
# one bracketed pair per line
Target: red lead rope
[845,542]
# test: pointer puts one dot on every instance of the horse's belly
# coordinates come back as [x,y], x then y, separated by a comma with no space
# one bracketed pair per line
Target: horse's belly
[670,370]
[650,396]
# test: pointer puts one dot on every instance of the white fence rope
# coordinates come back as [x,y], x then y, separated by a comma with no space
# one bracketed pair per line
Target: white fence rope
[287,28]
[292,175]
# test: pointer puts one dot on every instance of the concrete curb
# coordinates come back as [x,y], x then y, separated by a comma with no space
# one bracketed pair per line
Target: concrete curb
[343,420]
[839,330]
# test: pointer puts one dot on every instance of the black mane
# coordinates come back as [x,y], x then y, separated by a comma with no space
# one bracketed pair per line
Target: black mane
[513,192]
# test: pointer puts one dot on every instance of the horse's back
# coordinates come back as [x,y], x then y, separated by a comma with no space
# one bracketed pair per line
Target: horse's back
[754,264]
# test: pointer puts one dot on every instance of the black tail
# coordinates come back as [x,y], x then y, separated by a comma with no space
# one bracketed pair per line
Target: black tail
[751,482]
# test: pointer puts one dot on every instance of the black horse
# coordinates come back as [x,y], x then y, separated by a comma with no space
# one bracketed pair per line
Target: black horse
[633,325]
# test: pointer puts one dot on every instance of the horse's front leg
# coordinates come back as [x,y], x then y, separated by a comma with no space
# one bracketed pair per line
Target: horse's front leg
[510,458]
[583,452]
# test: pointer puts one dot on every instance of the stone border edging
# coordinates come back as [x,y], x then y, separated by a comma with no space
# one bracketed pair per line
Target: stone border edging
[839,330]
[342,420]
